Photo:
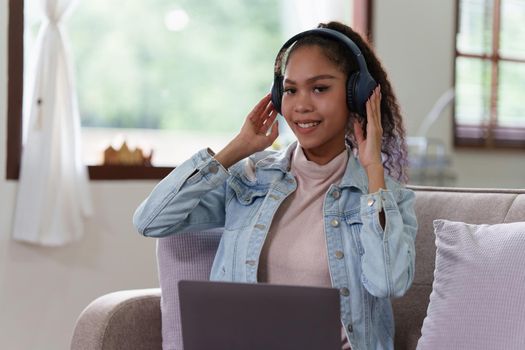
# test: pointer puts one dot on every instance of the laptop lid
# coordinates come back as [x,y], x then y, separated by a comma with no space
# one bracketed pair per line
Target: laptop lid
[242,316]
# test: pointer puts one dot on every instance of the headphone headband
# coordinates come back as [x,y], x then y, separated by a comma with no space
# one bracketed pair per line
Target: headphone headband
[331,34]
[359,85]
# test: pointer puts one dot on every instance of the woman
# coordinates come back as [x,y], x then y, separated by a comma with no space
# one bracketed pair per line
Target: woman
[328,210]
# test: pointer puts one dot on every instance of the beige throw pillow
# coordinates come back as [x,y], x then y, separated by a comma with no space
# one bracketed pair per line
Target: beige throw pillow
[478,293]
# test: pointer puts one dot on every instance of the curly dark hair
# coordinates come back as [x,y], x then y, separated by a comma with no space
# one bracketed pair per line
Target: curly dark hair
[394,148]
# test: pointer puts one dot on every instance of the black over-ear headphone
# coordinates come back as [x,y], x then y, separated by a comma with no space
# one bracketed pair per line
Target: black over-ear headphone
[359,86]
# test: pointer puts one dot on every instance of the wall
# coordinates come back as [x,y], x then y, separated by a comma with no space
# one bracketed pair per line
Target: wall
[43,290]
[415,40]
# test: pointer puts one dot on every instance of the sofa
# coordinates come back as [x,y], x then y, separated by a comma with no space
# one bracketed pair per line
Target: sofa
[133,319]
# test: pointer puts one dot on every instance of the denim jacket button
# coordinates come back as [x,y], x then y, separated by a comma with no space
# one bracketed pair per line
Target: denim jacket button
[371,202]
[344,292]
[336,194]
[213,169]
[334,222]
[350,328]
[339,254]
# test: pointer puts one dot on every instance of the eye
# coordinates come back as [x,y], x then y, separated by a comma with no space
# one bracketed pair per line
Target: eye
[319,89]
[289,91]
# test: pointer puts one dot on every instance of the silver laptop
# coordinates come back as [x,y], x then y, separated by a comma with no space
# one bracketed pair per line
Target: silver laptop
[241,316]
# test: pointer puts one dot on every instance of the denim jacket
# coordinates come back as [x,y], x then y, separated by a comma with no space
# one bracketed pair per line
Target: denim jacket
[367,264]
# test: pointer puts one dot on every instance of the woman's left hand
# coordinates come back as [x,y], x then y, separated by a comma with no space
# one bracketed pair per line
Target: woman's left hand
[370,148]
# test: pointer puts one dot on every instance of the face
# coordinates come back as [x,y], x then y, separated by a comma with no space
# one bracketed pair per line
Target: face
[314,103]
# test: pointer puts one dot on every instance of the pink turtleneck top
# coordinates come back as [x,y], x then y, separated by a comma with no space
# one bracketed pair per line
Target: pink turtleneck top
[295,249]
[294,252]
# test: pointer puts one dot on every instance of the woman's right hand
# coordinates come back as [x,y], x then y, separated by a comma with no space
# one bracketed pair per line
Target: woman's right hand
[254,135]
[254,132]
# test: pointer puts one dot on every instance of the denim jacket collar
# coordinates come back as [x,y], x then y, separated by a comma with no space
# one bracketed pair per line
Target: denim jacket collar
[354,175]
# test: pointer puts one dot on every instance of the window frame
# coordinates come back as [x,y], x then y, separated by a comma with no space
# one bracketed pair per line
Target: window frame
[15,78]
[489,136]
[362,23]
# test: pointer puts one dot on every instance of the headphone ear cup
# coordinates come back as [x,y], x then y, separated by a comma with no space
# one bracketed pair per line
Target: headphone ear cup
[277,93]
[351,92]
[364,88]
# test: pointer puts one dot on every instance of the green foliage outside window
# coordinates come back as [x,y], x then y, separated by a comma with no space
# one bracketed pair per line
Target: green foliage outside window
[133,72]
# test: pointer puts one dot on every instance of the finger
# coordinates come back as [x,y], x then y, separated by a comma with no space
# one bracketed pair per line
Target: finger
[262,118]
[358,132]
[369,111]
[268,122]
[378,107]
[374,109]
[268,107]
[258,118]
[377,102]
[259,107]
[274,133]
[375,98]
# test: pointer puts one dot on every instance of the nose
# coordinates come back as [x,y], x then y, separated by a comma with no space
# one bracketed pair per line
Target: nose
[303,103]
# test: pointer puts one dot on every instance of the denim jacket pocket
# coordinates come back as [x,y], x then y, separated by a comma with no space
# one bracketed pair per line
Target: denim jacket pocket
[354,223]
[352,218]
[242,203]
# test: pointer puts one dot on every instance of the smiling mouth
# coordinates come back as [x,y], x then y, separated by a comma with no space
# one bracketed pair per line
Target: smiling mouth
[307,125]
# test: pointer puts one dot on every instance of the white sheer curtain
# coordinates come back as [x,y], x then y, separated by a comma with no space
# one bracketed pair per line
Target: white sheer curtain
[53,195]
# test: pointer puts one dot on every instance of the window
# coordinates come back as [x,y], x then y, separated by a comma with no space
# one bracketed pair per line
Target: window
[181,74]
[490,74]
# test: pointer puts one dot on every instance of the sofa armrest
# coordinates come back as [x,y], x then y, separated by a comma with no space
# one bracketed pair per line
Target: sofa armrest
[129,319]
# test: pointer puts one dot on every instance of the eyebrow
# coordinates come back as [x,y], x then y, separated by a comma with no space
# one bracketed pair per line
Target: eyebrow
[312,79]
